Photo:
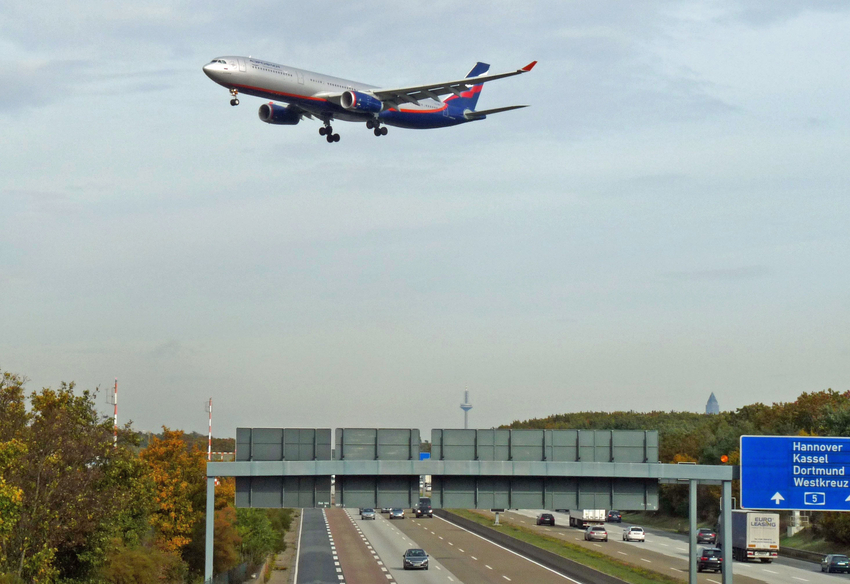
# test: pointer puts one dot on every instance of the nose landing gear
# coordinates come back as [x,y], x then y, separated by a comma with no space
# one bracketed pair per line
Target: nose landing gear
[235,94]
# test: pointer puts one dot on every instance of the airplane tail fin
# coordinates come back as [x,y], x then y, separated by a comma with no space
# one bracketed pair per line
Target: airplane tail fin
[468,99]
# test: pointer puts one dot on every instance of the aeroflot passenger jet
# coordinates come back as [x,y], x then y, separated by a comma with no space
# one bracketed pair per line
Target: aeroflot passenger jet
[325,98]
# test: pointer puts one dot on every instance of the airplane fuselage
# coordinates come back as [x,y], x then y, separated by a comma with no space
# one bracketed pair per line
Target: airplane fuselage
[318,94]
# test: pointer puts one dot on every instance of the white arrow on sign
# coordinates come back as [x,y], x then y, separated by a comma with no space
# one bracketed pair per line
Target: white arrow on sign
[848,498]
[777,498]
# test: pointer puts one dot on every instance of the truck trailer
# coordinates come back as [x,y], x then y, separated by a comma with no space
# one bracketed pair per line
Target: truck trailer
[585,517]
[755,536]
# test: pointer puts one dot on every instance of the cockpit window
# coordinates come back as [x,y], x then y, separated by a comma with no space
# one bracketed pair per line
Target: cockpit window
[218,61]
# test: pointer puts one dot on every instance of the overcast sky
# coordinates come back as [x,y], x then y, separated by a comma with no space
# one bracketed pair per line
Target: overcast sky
[668,219]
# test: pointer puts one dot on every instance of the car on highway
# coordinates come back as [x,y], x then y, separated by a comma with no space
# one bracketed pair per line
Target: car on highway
[386,509]
[595,533]
[415,559]
[710,559]
[367,513]
[835,563]
[546,519]
[424,510]
[615,516]
[706,535]
[396,513]
[634,533]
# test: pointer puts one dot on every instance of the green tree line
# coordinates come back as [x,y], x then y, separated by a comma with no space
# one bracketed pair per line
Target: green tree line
[76,508]
[705,438]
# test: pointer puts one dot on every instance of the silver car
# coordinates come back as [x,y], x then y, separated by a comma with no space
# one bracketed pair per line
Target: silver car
[595,533]
[397,513]
[367,513]
[634,533]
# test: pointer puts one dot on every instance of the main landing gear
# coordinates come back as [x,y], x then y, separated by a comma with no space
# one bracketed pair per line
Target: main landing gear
[328,131]
[379,131]
[235,94]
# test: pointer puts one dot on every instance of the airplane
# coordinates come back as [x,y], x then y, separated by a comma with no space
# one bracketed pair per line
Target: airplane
[326,98]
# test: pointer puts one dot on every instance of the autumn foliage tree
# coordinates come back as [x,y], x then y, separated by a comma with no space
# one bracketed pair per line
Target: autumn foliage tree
[65,488]
[179,474]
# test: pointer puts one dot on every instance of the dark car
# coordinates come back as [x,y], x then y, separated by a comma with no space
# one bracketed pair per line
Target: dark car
[706,535]
[615,516]
[424,510]
[710,559]
[835,563]
[546,519]
[415,559]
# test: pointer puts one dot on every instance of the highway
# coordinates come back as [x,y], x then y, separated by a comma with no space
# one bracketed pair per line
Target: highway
[675,547]
[338,547]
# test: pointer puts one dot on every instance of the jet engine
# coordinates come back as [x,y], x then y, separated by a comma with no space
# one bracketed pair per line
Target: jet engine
[275,114]
[361,102]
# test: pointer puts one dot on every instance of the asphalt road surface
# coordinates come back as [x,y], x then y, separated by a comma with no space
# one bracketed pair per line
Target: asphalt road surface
[317,563]
[675,548]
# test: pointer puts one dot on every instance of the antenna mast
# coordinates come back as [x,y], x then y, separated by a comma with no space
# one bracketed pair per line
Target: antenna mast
[114,403]
[209,443]
[466,406]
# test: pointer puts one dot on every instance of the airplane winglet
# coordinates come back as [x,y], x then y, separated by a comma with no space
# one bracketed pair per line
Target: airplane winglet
[530,66]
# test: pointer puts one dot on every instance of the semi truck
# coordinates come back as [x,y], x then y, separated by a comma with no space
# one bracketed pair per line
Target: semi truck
[584,517]
[755,536]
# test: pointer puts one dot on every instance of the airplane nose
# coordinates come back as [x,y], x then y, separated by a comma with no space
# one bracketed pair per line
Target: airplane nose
[208,69]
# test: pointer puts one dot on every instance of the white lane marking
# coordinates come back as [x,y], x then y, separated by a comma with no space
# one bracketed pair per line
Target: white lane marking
[623,553]
[645,560]
[488,567]
[678,570]
[769,571]
[506,578]
[664,545]
[681,549]
[389,576]
[298,544]
[511,551]
[440,536]
[450,543]
[461,551]
[438,567]
[451,579]
[715,581]
[474,558]
[800,579]
[597,545]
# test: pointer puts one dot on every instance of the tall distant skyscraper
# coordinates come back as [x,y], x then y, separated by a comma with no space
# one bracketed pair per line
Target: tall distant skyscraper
[712,407]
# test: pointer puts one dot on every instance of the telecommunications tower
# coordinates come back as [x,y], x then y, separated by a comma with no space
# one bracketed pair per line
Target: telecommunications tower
[466,406]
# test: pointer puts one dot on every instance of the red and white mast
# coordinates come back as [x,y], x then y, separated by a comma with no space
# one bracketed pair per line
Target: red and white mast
[209,443]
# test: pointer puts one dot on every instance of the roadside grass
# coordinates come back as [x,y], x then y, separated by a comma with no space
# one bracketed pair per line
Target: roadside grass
[597,561]
[805,540]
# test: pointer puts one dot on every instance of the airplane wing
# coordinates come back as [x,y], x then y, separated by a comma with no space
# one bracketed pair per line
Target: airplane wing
[399,95]
[477,115]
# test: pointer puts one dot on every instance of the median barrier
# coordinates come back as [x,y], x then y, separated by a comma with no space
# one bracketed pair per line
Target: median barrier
[549,559]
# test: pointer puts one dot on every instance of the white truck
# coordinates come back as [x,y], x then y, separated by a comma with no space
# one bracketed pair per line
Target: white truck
[584,517]
[755,536]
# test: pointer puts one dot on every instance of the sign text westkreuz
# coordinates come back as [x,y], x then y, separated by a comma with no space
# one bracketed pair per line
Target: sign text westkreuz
[795,472]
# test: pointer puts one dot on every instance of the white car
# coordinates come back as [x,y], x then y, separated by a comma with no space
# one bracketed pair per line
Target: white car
[634,533]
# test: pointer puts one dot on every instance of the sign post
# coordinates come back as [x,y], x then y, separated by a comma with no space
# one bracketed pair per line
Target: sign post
[806,473]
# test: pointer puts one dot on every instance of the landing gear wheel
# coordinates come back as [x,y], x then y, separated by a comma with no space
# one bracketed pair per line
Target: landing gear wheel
[370,124]
[377,131]
[384,131]
[322,131]
[234,101]
[336,137]
[330,138]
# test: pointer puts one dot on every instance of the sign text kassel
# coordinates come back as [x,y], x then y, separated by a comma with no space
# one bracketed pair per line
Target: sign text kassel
[795,472]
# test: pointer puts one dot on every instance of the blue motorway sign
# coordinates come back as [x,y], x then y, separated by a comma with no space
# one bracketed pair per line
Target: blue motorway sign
[795,472]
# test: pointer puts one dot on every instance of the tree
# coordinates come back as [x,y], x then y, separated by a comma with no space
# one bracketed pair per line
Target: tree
[179,476]
[60,462]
